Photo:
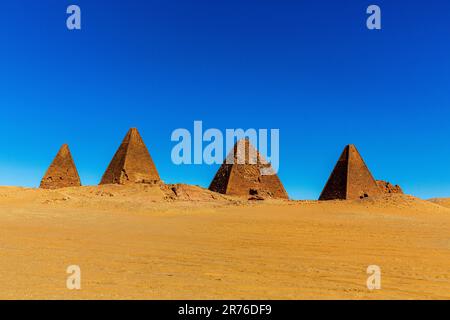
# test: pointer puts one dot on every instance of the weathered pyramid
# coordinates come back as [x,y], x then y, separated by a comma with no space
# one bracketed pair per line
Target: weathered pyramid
[62,172]
[350,179]
[241,175]
[132,162]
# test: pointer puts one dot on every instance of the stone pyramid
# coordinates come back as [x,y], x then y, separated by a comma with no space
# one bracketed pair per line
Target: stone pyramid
[241,175]
[132,162]
[350,179]
[62,172]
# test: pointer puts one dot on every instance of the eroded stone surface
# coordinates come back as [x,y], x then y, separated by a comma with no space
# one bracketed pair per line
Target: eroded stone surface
[242,175]
[132,163]
[388,187]
[350,179]
[62,172]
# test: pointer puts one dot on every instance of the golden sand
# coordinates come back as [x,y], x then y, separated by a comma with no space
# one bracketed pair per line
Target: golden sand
[146,242]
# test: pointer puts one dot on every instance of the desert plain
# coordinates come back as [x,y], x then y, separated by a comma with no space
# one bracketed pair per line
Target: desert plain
[184,242]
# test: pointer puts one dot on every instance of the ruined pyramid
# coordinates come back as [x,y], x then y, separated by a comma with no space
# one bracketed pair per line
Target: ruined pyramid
[241,175]
[132,162]
[62,172]
[350,179]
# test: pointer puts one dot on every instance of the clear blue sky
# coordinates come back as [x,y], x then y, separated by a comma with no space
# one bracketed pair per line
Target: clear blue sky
[309,68]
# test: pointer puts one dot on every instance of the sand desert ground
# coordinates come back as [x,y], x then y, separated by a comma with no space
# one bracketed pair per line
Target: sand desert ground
[185,242]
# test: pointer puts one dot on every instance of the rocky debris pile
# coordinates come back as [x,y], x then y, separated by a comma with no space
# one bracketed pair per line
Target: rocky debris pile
[388,187]
[184,192]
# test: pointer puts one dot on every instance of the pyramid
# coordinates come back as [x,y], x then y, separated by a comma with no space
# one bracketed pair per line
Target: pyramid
[350,179]
[132,162]
[62,172]
[244,177]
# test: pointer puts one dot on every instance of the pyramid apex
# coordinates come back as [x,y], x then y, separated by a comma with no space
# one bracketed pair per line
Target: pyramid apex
[132,130]
[64,150]
[244,142]
[133,133]
[351,148]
